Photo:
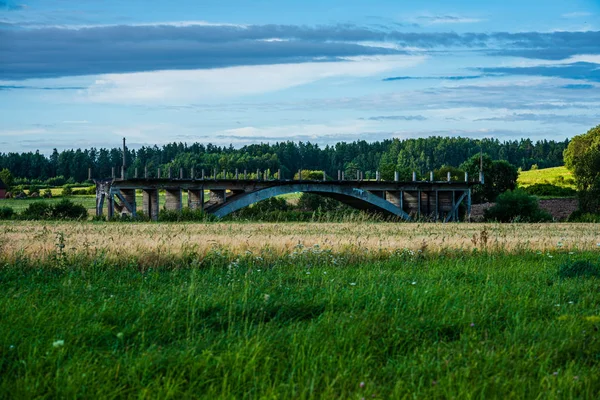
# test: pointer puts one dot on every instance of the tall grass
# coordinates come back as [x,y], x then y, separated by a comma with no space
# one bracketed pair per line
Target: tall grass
[313,323]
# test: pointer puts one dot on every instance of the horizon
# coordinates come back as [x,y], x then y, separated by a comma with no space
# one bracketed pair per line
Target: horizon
[88,74]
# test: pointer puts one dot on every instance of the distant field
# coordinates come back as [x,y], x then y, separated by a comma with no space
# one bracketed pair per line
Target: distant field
[559,176]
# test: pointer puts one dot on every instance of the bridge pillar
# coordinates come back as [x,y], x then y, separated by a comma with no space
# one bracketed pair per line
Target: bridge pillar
[218,196]
[173,199]
[394,197]
[196,199]
[150,203]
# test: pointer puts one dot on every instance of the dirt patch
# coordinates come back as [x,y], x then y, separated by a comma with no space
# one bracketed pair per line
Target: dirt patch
[560,209]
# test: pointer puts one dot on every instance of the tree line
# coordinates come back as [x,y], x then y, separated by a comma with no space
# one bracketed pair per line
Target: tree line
[420,155]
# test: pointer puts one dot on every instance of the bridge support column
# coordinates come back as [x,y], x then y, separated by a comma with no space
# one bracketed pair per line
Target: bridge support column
[218,196]
[394,197]
[173,199]
[150,203]
[196,199]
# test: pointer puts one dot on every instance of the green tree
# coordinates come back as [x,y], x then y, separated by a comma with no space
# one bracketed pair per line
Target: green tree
[7,178]
[582,158]
[499,176]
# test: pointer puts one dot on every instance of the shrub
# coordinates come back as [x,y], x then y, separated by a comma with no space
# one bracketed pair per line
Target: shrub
[545,189]
[581,216]
[36,211]
[56,181]
[517,206]
[6,213]
[315,202]
[66,209]
[67,191]
[578,269]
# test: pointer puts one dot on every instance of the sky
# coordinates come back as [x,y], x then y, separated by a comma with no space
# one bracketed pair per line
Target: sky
[86,73]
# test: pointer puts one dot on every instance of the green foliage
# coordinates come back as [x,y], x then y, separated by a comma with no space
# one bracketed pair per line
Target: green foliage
[582,157]
[579,269]
[499,176]
[38,210]
[6,213]
[7,178]
[581,216]
[62,210]
[456,174]
[56,181]
[67,210]
[516,206]
[310,175]
[314,202]
[67,191]
[546,189]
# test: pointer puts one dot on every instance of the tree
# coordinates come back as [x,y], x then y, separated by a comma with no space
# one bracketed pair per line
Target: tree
[499,176]
[582,158]
[7,178]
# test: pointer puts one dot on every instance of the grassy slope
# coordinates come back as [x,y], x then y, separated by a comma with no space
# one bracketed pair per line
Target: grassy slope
[559,176]
[308,325]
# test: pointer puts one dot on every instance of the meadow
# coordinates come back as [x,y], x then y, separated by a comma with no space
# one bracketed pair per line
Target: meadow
[559,176]
[247,310]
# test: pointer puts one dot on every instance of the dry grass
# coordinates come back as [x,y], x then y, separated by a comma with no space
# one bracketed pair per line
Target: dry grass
[151,240]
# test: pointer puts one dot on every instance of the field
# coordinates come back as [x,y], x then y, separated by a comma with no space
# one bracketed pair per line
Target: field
[298,311]
[559,176]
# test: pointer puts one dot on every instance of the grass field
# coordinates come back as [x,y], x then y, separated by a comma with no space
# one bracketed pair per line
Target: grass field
[559,176]
[107,310]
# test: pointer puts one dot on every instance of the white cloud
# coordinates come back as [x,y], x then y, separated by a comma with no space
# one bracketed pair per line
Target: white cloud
[166,87]
[577,14]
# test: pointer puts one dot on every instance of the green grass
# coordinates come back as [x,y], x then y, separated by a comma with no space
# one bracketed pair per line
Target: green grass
[559,176]
[88,201]
[312,324]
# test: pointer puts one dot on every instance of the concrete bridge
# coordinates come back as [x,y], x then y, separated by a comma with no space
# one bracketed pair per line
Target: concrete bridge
[220,196]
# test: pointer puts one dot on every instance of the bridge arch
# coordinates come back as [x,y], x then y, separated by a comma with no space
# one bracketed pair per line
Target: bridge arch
[354,197]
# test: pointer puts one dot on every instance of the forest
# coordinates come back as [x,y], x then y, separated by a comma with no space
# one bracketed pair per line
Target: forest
[420,155]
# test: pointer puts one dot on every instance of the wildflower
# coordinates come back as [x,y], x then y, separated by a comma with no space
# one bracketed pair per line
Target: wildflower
[352,283]
[120,335]
[593,319]
[362,385]
[557,305]
[58,343]
[267,297]
[307,272]
[575,377]
[472,324]
[414,283]
[555,373]
[434,383]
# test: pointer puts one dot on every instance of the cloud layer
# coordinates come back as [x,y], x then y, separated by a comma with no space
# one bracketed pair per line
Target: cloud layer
[57,51]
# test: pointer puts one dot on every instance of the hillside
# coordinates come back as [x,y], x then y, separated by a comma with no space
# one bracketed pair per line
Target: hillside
[559,176]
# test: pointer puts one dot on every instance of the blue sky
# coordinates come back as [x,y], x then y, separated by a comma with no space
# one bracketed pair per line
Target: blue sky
[87,73]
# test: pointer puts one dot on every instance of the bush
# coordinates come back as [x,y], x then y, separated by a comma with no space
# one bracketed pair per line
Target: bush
[56,181]
[66,209]
[67,191]
[546,189]
[581,216]
[578,269]
[517,206]
[6,213]
[315,202]
[38,210]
